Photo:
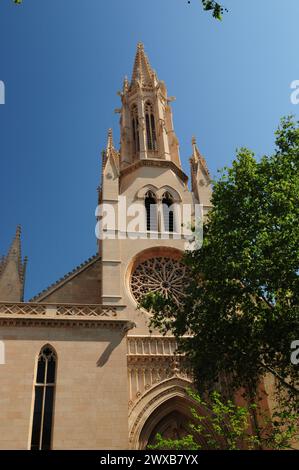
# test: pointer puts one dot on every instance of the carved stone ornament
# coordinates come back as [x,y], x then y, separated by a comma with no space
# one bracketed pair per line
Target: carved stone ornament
[159,274]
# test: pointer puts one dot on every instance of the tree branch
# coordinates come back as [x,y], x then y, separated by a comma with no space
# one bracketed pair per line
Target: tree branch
[281,379]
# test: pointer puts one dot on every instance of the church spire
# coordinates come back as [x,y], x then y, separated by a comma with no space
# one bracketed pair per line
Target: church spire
[146,123]
[12,272]
[142,71]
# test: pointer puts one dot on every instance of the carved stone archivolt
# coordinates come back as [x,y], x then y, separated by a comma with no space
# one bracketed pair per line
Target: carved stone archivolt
[152,360]
[145,373]
[150,401]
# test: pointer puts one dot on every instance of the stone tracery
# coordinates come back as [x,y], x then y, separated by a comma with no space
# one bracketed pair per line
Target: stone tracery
[162,275]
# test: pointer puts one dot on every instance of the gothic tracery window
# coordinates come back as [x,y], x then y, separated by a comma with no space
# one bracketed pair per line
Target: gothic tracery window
[44,391]
[150,203]
[151,137]
[135,130]
[168,212]
[159,274]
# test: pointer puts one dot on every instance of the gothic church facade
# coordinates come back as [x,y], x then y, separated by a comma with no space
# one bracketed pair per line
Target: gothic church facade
[81,369]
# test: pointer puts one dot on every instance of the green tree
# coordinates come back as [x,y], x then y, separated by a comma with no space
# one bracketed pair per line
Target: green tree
[221,424]
[216,8]
[208,5]
[241,305]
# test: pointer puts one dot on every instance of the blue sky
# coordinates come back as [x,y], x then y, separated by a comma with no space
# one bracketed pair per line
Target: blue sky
[62,63]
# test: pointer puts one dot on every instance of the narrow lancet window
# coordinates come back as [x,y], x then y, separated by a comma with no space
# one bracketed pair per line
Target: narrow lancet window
[135,130]
[44,393]
[168,212]
[151,211]
[151,137]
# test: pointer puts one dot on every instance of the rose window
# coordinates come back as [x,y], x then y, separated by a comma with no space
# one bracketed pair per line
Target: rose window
[159,274]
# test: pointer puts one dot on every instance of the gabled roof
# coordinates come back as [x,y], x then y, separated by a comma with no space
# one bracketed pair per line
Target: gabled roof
[62,281]
[158,163]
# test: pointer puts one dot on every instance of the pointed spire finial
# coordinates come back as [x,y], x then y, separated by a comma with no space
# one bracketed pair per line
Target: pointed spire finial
[2,263]
[125,84]
[197,156]
[142,70]
[18,231]
[15,248]
[110,152]
[110,145]
[195,151]
[12,272]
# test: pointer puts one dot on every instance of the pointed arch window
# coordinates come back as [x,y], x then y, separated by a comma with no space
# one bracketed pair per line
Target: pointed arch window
[135,130]
[151,137]
[150,203]
[44,394]
[168,212]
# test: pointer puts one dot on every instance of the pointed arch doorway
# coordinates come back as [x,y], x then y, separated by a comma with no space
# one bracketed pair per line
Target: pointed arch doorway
[164,409]
[171,420]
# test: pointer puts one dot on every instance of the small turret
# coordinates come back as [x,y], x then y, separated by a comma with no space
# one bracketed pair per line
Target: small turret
[110,155]
[200,177]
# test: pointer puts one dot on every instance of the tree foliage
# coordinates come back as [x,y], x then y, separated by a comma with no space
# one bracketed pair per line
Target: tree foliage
[219,423]
[208,5]
[242,304]
[216,8]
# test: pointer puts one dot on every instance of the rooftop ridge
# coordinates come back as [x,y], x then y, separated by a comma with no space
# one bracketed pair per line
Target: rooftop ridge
[62,279]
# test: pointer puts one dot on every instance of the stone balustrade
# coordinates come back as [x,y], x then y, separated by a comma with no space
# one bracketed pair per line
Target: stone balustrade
[48,311]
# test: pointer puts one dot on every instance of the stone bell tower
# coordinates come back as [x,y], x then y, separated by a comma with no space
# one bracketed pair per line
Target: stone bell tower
[146,117]
[146,173]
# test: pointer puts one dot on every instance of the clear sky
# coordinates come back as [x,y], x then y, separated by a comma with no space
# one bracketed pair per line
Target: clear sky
[62,62]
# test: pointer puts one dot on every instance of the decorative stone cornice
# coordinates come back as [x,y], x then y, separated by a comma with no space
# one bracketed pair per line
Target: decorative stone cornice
[64,315]
[122,325]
